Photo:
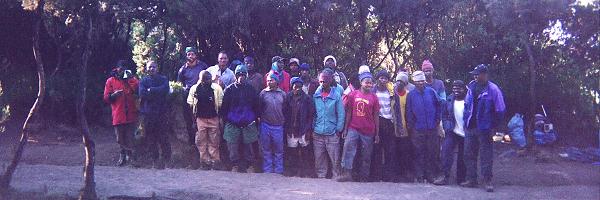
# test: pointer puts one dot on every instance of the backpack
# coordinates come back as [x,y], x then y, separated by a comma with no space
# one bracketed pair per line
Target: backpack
[205,102]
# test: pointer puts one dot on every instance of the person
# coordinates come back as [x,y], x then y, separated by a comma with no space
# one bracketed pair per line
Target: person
[362,128]
[430,81]
[294,66]
[484,113]
[423,116]
[234,64]
[328,125]
[271,125]
[452,117]
[221,74]
[254,76]
[297,127]
[206,98]
[188,76]
[384,162]
[339,77]
[240,111]
[153,91]
[404,146]
[309,84]
[277,66]
[120,91]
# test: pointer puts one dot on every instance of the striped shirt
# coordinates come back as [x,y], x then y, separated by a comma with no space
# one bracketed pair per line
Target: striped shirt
[385,107]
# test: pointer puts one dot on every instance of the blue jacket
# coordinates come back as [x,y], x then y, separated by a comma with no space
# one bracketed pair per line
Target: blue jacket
[330,114]
[490,107]
[448,120]
[153,91]
[422,109]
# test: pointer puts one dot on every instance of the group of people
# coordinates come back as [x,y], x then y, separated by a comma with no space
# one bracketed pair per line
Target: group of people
[366,128]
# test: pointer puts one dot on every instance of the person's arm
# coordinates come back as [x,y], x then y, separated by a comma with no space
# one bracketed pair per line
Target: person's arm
[376,117]
[226,104]
[348,105]
[218,96]
[437,102]
[162,89]
[499,108]
[410,118]
[341,114]
[108,91]
[191,98]
[442,94]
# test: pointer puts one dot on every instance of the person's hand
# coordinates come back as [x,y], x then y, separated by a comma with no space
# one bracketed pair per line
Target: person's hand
[344,134]
[117,93]
[377,139]
[308,135]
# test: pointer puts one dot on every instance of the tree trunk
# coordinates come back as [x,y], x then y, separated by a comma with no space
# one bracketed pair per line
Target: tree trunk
[532,77]
[26,130]
[89,185]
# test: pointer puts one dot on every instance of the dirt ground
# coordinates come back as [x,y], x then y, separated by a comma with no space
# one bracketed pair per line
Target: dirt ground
[51,169]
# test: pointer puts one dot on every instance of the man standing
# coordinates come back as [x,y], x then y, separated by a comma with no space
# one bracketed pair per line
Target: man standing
[221,74]
[452,117]
[298,120]
[423,117]
[254,77]
[277,66]
[309,84]
[362,128]
[339,77]
[206,98]
[153,90]
[401,131]
[328,125]
[120,91]
[384,157]
[436,84]
[188,76]
[484,111]
[294,65]
[271,125]
[240,112]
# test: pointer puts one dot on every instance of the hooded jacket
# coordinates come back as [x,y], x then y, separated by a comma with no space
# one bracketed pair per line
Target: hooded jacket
[123,107]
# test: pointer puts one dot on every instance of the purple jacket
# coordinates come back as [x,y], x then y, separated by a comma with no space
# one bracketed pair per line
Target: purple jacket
[490,107]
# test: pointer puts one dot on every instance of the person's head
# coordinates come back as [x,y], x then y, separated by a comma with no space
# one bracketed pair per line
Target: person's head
[326,78]
[205,77]
[294,64]
[330,61]
[297,84]
[279,62]
[427,68]
[383,78]
[151,68]
[304,70]
[273,80]
[249,62]
[223,59]
[401,80]
[480,73]
[419,79]
[120,70]
[191,54]
[241,72]
[458,89]
[366,81]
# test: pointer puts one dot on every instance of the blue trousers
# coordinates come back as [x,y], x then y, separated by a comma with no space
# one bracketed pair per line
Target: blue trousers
[271,143]
[452,141]
[427,165]
[479,142]
[353,139]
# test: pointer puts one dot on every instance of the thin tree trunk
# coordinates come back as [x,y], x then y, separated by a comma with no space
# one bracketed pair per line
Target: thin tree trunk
[532,77]
[26,130]
[89,185]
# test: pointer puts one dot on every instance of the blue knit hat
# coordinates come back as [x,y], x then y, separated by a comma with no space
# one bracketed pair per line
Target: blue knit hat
[304,66]
[273,75]
[365,75]
[191,49]
[241,69]
[296,80]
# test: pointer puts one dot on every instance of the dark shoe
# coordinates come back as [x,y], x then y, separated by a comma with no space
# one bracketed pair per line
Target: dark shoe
[122,159]
[365,180]
[205,166]
[488,186]
[250,169]
[469,183]
[235,169]
[346,176]
[442,180]
[420,180]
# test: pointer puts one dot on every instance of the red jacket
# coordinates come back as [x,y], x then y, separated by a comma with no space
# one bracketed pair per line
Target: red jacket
[124,109]
[283,84]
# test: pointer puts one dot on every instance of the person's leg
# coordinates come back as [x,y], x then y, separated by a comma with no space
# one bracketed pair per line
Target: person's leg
[277,140]
[129,135]
[460,161]
[377,166]
[350,145]
[320,151]
[366,143]
[266,146]
[471,150]
[151,135]
[249,157]
[388,140]
[434,159]
[233,144]
[486,154]
[189,118]
[420,153]
[214,140]
[447,154]
[333,149]
[202,141]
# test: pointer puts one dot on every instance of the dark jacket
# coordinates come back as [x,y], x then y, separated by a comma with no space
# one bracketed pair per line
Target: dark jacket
[490,107]
[422,109]
[153,94]
[241,105]
[448,120]
[304,116]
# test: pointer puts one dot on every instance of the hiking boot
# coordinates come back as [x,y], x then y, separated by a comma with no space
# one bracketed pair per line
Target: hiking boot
[346,176]
[235,169]
[122,159]
[205,166]
[250,169]
[442,180]
[469,183]
[420,180]
[488,186]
